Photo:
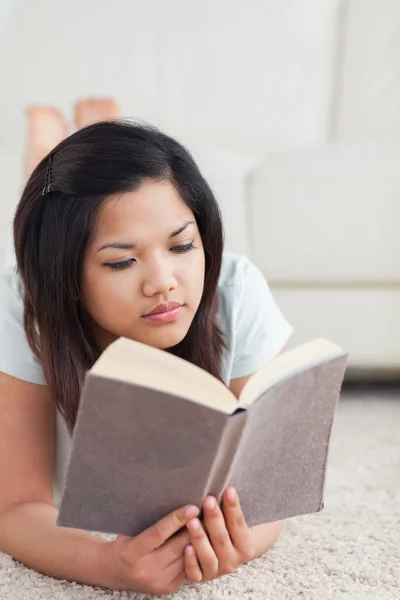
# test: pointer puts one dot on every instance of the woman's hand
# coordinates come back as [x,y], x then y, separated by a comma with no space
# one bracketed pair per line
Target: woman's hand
[153,561]
[224,543]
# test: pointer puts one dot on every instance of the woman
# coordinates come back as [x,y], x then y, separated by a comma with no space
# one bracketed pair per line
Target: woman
[115,221]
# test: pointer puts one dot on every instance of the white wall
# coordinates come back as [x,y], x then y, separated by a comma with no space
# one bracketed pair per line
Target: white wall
[255,74]
[369,90]
[232,80]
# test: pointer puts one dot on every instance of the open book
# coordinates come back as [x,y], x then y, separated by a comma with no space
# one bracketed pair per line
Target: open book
[154,432]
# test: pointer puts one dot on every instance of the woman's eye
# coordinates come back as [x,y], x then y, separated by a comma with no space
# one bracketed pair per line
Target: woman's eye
[120,266]
[184,248]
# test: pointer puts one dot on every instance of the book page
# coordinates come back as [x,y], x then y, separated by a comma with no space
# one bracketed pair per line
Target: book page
[287,364]
[131,361]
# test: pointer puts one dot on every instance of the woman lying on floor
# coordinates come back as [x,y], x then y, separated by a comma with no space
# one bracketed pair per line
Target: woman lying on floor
[116,219]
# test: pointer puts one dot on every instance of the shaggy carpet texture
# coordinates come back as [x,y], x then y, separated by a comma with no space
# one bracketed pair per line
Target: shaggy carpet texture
[349,551]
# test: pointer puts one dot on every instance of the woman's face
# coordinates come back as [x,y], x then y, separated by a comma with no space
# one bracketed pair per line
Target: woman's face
[147,256]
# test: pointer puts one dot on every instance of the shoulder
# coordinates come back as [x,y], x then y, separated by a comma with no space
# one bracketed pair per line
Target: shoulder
[231,281]
[234,269]
[16,357]
[254,325]
[11,293]
[240,278]
[10,280]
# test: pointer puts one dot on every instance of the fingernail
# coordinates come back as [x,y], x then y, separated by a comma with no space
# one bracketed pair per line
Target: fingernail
[189,550]
[231,493]
[190,511]
[210,502]
[194,524]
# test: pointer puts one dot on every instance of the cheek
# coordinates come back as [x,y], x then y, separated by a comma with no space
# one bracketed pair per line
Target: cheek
[107,293]
[192,274]
[198,281]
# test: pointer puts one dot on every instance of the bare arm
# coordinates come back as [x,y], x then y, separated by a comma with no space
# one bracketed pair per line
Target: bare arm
[150,562]
[28,530]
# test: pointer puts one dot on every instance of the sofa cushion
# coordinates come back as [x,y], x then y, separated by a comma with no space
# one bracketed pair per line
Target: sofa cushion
[226,171]
[364,321]
[328,215]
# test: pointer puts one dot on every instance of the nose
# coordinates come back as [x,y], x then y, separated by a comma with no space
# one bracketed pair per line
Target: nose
[159,279]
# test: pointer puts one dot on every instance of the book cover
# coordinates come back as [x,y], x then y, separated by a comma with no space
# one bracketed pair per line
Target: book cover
[138,453]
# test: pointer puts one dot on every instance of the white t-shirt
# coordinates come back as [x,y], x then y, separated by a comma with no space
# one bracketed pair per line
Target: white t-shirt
[254,326]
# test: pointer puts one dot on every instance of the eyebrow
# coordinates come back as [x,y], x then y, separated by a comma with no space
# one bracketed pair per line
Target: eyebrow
[126,246]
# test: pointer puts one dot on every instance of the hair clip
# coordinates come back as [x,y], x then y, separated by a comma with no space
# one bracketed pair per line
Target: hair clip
[47,185]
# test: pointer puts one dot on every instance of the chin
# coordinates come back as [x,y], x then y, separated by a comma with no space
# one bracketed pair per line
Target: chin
[166,339]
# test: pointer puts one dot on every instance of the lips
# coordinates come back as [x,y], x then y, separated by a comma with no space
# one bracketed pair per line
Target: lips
[163,308]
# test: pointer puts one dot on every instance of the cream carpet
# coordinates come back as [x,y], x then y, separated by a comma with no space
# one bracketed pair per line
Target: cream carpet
[350,551]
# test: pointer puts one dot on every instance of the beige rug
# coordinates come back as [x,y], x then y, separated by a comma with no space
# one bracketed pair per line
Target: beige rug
[350,551]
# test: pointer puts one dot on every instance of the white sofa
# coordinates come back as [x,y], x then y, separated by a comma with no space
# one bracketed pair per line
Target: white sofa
[292,111]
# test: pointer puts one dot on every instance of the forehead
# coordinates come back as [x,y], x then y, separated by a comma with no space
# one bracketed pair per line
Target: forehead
[155,208]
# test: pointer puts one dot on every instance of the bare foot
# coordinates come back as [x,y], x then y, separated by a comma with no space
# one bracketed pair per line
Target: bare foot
[46,128]
[93,110]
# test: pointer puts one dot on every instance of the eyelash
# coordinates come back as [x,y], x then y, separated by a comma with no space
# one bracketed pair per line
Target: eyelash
[182,249]
[125,264]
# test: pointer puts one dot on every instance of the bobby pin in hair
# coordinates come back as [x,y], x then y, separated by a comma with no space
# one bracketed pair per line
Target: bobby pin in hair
[47,185]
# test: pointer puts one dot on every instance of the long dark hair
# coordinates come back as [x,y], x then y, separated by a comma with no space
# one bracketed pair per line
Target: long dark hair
[53,230]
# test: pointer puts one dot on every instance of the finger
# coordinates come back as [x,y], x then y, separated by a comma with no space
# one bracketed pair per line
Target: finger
[177,583]
[173,548]
[239,532]
[192,567]
[160,532]
[204,551]
[170,579]
[218,533]
[178,543]
[174,570]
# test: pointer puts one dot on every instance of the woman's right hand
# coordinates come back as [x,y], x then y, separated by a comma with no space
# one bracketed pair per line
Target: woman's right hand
[153,561]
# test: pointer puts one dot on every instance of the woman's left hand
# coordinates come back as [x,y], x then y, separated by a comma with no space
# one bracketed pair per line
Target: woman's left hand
[224,543]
